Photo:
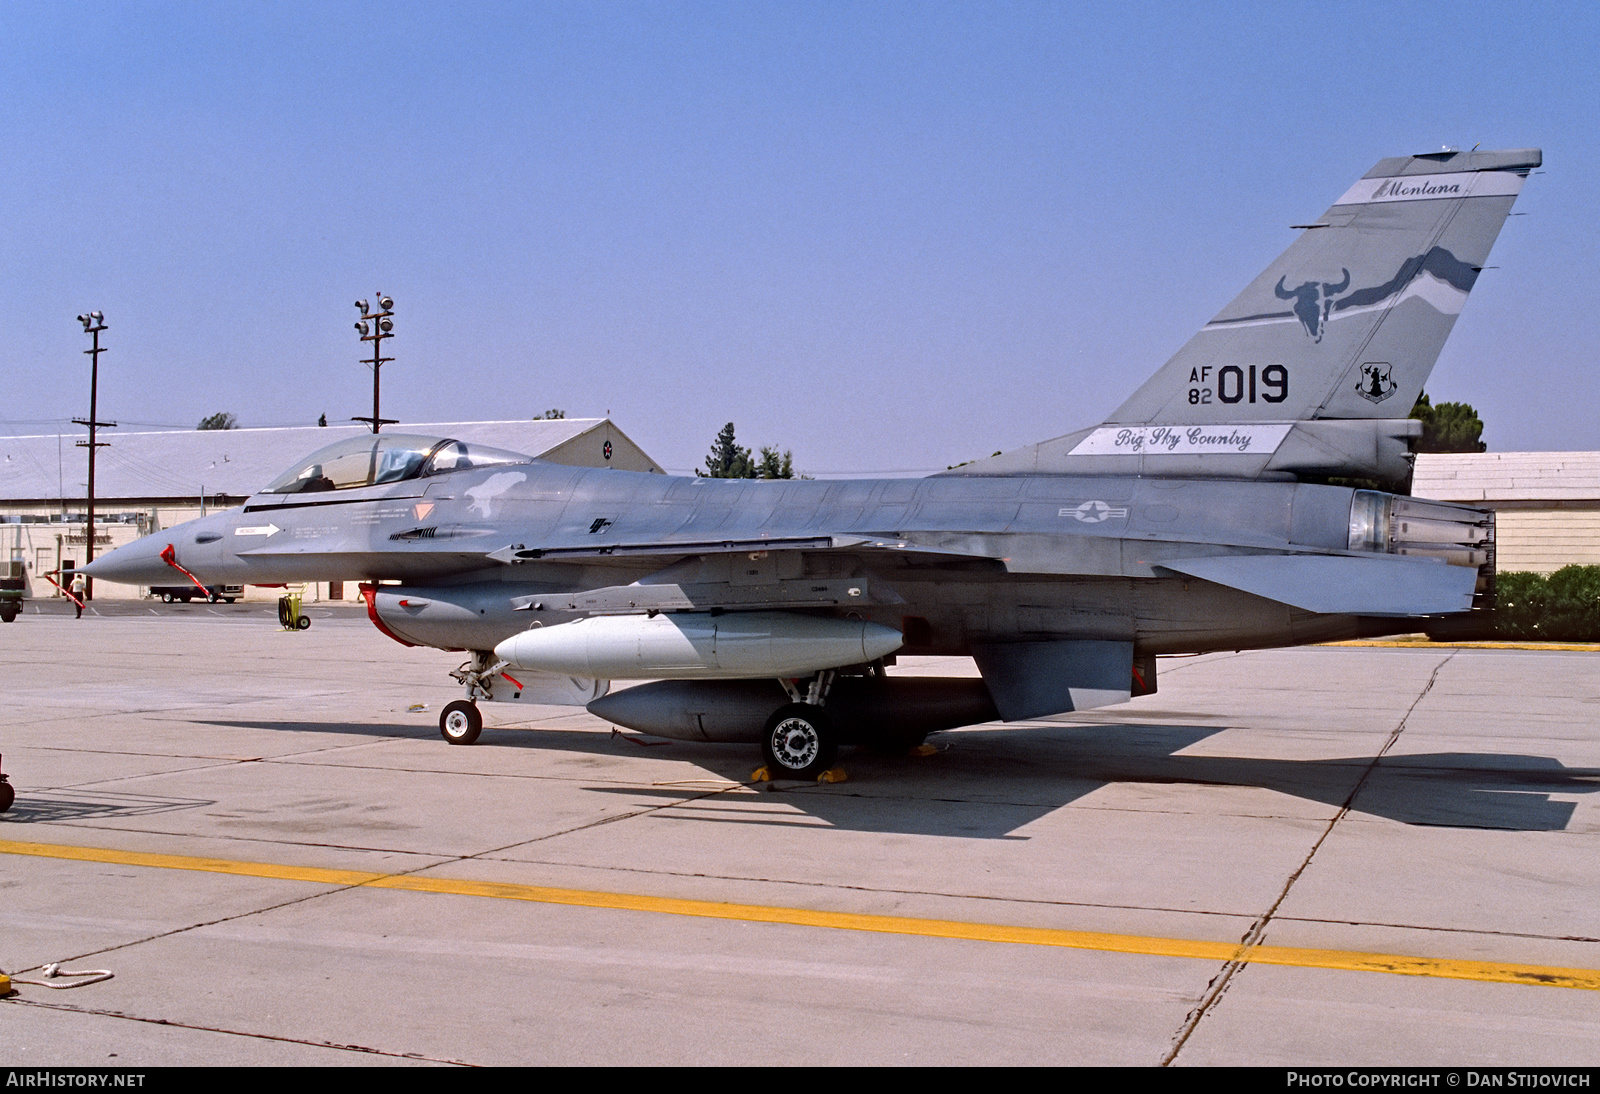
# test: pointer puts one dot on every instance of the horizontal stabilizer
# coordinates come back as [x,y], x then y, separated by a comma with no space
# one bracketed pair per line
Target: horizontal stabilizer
[1379,585]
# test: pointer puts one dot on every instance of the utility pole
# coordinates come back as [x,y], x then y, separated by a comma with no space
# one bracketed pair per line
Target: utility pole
[375,326]
[93,323]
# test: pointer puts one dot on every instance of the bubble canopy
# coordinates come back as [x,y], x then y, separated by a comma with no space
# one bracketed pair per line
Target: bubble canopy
[375,459]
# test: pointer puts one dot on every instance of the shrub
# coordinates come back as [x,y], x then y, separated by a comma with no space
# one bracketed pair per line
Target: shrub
[1564,607]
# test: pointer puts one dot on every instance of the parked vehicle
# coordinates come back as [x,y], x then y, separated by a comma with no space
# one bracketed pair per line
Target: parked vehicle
[186,593]
[12,591]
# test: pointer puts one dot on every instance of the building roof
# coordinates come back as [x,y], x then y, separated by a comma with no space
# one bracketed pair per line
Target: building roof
[1508,477]
[238,462]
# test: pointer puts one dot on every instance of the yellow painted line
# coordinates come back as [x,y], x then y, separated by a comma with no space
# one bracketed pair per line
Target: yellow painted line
[1425,644]
[186,862]
[1150,946]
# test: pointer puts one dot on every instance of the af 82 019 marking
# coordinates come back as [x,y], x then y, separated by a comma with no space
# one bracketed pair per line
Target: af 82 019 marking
[1235,384]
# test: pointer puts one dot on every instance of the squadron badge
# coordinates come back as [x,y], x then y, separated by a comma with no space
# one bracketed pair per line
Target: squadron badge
[1377,382]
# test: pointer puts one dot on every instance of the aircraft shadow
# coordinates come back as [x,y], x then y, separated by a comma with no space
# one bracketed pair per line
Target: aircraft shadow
[991,782]
[46,806]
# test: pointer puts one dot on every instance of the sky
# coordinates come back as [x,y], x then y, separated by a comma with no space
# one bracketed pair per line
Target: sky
[889,237]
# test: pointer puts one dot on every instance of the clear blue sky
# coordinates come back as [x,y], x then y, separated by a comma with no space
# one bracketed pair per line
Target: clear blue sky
[886,236]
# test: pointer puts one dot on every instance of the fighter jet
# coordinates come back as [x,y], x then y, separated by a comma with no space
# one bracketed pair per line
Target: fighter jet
[1196,518]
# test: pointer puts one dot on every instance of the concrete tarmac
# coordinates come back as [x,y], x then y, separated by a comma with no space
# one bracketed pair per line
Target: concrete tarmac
[1322,856]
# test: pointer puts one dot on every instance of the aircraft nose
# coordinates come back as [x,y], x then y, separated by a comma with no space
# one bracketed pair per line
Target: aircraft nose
[136,563]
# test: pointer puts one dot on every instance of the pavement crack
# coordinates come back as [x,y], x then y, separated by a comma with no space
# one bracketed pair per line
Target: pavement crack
[603,821]
[68,1007]
[1256,934]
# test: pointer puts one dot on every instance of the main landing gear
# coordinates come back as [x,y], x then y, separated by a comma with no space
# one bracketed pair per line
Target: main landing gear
[799,741]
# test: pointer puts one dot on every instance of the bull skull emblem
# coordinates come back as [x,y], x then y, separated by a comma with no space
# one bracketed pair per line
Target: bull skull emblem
[1312,301]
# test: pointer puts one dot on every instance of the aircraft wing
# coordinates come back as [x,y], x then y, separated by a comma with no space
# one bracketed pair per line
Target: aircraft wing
[668,549]
[768,584]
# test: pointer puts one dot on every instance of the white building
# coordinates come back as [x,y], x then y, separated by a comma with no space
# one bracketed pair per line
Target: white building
[1547,504]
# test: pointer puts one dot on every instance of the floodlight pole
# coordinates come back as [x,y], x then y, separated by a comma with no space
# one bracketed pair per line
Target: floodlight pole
[93,323]
[375,326]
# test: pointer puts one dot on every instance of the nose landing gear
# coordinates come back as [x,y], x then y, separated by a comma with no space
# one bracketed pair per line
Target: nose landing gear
[460,722]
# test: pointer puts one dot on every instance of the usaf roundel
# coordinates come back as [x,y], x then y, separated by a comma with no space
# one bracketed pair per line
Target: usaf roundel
[1093,512]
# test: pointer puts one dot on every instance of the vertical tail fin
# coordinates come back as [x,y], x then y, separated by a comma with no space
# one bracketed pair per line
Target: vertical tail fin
[1349,321]
[1315,366]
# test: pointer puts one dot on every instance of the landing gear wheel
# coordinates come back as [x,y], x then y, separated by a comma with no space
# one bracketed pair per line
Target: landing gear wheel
[799,742]
[460,722]
[303,623]
[7,796]
[8,616]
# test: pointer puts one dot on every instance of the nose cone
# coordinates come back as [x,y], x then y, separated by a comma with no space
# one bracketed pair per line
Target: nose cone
[196,545]
[136,563]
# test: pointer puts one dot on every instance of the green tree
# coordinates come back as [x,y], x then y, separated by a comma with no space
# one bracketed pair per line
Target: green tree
[727,459]
[220,420]
[773,466]
[551,415]
[1448,427]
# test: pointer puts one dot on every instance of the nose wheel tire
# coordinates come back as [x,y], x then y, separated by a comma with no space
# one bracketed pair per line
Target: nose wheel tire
[799,742]
[460,722]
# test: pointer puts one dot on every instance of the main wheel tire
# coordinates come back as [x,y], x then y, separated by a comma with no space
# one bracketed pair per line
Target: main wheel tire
[799,742]
[460,722]
[166,598]
[7,796]
[8,616]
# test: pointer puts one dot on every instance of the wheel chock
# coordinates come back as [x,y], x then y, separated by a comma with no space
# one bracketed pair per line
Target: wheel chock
[5,985]
[761,775]
[924,749]
[833,775]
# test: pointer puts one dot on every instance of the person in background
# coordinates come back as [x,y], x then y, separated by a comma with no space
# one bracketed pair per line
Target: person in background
[79,586]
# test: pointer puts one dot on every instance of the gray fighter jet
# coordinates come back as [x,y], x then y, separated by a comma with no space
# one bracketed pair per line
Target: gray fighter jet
[772,611]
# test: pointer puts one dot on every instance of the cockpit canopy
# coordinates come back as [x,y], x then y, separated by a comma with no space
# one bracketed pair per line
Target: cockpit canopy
[385,457]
